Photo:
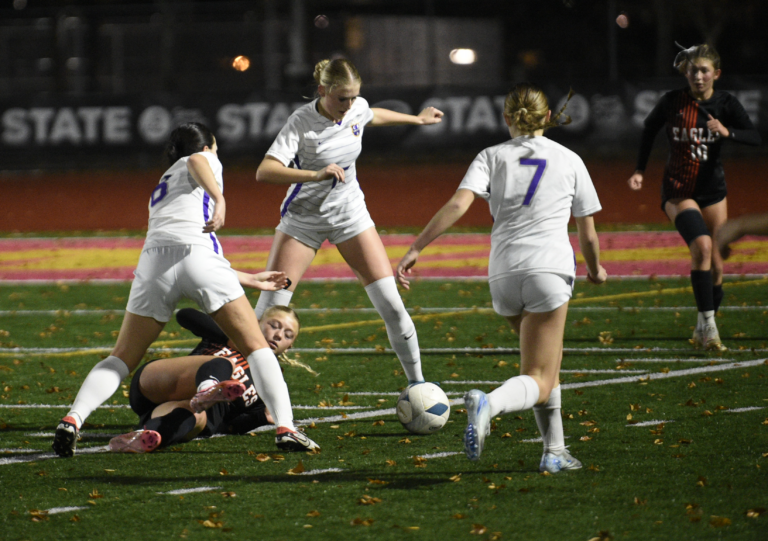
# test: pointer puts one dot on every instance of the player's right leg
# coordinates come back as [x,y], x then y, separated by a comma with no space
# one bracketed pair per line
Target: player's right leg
[291,256]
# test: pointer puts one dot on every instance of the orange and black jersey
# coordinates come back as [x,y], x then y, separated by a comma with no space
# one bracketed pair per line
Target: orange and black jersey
[694,169]
[242,414]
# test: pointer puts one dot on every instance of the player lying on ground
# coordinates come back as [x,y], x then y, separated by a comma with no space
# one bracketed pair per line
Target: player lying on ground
[182,257]
[532,185]
[209,392]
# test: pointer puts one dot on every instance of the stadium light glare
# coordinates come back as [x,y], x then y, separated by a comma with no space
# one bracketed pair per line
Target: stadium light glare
[241,63]
[463,56]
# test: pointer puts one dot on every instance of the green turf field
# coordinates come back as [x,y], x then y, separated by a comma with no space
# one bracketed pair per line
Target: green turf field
[674,441]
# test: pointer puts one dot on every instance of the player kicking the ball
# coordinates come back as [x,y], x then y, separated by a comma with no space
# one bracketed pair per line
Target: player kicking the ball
[532,185]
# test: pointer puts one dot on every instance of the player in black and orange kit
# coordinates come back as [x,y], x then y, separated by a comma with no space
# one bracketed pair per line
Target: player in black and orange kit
[697,120]
[209,392]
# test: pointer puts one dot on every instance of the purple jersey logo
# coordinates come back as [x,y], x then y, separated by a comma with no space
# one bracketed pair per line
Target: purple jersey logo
[356,130]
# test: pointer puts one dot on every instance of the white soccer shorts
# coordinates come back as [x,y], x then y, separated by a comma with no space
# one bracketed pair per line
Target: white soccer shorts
[167,273]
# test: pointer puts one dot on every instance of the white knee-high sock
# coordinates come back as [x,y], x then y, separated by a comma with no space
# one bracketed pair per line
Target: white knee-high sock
[400,328]
[271,387]
[516,394]
[101,383]
[267,299]
[550,422]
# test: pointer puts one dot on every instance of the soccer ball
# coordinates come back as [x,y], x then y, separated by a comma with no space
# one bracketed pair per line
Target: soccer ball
[423,408]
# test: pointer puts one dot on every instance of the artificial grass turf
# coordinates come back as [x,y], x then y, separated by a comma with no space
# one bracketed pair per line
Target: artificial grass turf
[695,472]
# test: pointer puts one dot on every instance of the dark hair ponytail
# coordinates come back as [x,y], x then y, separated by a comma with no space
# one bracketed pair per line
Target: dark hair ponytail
[186,140]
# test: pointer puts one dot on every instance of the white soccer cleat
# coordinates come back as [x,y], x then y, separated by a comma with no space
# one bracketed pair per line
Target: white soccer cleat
[138,441]
[225,391]
[290,440]
[711,339]
[554,463]
[478,423]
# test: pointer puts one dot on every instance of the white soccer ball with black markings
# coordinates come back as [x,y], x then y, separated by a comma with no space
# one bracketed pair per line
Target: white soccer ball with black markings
[423,408]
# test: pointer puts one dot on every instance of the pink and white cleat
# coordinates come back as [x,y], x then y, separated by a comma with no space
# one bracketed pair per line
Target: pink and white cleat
[138,441]
[226,391]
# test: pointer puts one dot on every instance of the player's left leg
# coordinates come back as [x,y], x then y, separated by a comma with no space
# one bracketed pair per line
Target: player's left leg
[136,335]
[171,422]
[366,256]
[715,217]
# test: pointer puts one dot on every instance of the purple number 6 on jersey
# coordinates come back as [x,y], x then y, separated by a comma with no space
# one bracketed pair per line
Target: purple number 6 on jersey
[540,166]
[160,191]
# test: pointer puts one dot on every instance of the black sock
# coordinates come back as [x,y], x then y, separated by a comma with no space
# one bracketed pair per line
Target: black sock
[172,427]
[219,369]
[702,290]
[717,296]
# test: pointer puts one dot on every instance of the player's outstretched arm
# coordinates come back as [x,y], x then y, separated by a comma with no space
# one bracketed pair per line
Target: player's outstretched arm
[201,171]
[386,117]
[272,171]
[264,281]
[454,209]
[590,249]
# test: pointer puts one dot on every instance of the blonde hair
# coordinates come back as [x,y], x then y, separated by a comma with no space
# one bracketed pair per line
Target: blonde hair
[526,106]
[283,357]
[686,56]
[336,72]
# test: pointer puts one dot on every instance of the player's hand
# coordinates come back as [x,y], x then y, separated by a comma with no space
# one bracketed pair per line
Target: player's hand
[715,127]
[404,267]
[330,171]
[430,115]
[269,280]
[217,220]
[636,181]
[598,278]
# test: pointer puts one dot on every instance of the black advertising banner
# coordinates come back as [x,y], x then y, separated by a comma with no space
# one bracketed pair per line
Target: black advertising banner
[130,131]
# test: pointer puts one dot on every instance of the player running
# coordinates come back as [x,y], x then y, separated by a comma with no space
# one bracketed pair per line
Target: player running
[209,392]
[182,257]
[697,120]
[315,154]
[532,185]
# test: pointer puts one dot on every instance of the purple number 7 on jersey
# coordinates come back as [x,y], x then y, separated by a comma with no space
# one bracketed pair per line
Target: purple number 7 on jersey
[540,165]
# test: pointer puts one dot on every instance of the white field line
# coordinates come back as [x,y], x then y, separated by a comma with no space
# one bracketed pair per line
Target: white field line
[652,423]
[438,455]
[83,436]
[320,472]
[662,375]
[454,402]
[13,451]
[420,310]
[673,360]
[108,281]
[55,406]
[740,410]
[45,456]
[373,351]
[57,510]
[189,491]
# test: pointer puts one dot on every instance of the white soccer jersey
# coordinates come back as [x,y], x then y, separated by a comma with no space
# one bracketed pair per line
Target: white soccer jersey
[532,185]
[310,141]
[179,207]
